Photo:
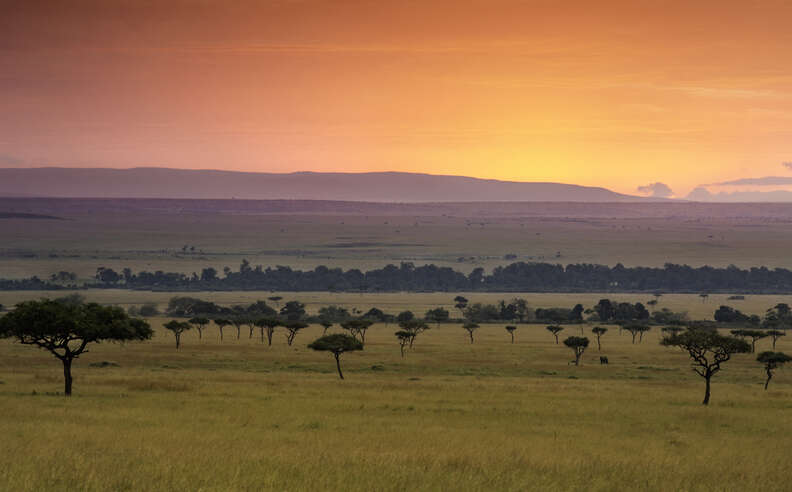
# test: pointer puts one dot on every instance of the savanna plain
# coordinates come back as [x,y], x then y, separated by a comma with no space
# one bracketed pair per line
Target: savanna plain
[449,415]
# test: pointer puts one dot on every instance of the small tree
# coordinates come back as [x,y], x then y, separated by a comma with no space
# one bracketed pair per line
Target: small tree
[66,330]
[772,361]
[599,331]
[200,324]
[460,303]
[326,325]
[511,329]
[578,346]
[238,321]
[292,329]
[404,338]
[267,325]
[754,335]
[177,327]
[775,335]
[708,350]
[221,324]
[414,328]
[555,330]
[357,328]
[337,344]
[470,328]
[276,300]
[637,330]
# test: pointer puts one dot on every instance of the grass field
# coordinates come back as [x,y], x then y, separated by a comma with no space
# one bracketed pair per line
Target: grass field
[239,415]
[153,241]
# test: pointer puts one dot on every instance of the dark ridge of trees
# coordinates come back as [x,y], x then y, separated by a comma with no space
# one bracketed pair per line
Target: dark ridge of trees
[516,277]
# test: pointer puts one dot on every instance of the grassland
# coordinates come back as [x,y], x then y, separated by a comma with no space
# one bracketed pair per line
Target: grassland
[238,415]
[152,240]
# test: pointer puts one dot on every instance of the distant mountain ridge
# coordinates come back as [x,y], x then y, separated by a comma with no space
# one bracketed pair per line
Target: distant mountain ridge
[148,182]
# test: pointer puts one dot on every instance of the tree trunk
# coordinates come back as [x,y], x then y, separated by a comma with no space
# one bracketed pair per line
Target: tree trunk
[221,334]
[707,390]
[401,346]
[338,365]
[633,339]
[251,333]
[512,335]
[200,333]
[238,329]
[178,337]
[269,337]
[769,377]
[556,337]
[262,334]
[471,337]
[599,347]
[67,377]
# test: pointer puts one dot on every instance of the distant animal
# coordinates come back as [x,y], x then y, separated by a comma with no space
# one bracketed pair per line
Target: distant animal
[603,359]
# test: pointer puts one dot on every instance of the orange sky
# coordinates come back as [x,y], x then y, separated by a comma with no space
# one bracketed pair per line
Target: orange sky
[616,94]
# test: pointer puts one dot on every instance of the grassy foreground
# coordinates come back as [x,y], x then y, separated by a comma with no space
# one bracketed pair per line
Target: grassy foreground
[450,416]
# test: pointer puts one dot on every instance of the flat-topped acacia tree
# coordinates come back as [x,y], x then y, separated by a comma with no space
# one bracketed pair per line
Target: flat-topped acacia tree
[404,338]
[599,331]
[754,335]
[357,328]
[511,329]
[337,344]
[470,328]
[772,361]
[555,330]
[66,330]
[292,329]
[708,350]
[414,328]
[267,326]
[177,327]
[578,346]
[200,324]
[221,324]
[637,330]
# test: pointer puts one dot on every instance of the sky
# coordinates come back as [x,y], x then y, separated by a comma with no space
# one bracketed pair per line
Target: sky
[635,96]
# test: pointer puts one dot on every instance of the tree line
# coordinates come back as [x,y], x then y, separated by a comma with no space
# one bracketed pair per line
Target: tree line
[519,276]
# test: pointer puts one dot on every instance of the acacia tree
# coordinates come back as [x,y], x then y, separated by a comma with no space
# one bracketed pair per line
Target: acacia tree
[460,303]
[555,330]
[599,331]
[357,328]
[754,335]
[276,300]
[775,335]
[578,346]
[267,325]
[337,344]
[238,321]
[66,330]
[200,324]
[292,329]
[637,330]
[221,324]
[708,350]
[470,328]
[772,361]
[511,329]
[404,338]
[326,325]
[414,328]
[177,327]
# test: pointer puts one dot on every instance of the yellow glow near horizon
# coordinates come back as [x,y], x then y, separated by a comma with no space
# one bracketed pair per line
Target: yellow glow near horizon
[615,94]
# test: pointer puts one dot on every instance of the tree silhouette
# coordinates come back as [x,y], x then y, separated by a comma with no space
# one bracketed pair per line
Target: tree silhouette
[754,335]
[404,338]
[177,327]
[460,303]
[414,328]
[267,325]
[276,300]
[470,328]
[238,321]
[775,335]
[637,330]
[221,324]
[66,330]
[555,330]
[326,326]
[578,346]
[511,329]
[292,329]
[200,324]
[337,344]
[708,350]
[599,331]
[772,361]
[357,328]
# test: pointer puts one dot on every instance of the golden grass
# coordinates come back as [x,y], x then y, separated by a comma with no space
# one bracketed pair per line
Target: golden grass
[450,416]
